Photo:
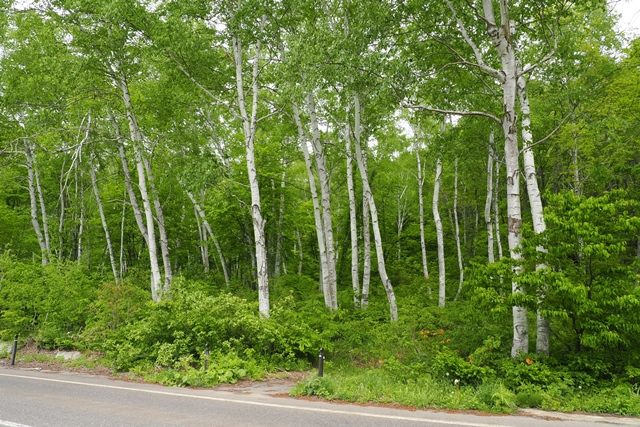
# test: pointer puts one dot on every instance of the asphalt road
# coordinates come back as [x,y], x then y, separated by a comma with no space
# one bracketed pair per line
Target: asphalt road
[38,399]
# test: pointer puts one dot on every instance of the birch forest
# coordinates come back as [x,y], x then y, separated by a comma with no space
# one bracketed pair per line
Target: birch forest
[443,195]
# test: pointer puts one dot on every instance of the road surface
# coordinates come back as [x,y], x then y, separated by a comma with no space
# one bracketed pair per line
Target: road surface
[38,399]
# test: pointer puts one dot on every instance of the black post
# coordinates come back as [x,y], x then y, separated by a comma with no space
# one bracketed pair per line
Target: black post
[206,357]
[14,350]
[321,363]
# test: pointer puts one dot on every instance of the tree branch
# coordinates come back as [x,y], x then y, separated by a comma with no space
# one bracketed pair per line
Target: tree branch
[454,112]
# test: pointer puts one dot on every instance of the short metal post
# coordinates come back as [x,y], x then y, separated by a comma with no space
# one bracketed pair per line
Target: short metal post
[206,356]
[321,363]
[14,350]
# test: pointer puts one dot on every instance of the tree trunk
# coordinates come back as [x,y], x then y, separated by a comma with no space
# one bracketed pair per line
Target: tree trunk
[353,222]
[423,247]
[62,212]
[43,207]
[325,200]
[366,244]
[400,220]
[393,308]
[457,227]
[136,137]
[317,217]
[535,203]
[501,38]
[208,230]
[442,287]
[278,261]
[103,219]
[204,248]
[488,202]
[162,231]
[300,254]
[496,210]
[80,198]
[249,125]
[34,203]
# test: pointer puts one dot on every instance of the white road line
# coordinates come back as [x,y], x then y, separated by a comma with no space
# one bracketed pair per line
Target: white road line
[254,403]
[11,424]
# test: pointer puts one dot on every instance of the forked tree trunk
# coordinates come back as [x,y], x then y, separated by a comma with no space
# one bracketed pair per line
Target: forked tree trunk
[249,125]
[317,217]
[325,200]
[391,298]
[535,204]
[353,222]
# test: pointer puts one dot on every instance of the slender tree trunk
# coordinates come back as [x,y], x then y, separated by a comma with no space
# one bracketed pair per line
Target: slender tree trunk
[204,248]
[400,220]
[353,222]
[442,287]
[122,222]
[535,203]
[317,217]
[501,37]
[208,230]
[488,202]
[300,254]
[278,262]
[136,137]
[80,197]
[457,227]
[162,231]
[423,247]
[366,244]
[249,125]
[28,151]
[496,210]
[103,219]
[62,211]
[393,308]
[325,200]
[43,207]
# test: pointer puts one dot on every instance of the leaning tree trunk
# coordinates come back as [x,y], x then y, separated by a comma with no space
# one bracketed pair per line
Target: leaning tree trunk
[325,200]
[488,202]
[136,137]
[457,227]
[317,217]
[103,219]
[353,223]
[44,253]
[535,203]
[442,286]
[249,126]
[393,308]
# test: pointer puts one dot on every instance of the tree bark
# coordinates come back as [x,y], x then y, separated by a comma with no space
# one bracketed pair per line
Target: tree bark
[488,202]
[366,243]
[423,247]
[457,227]
[204,248]
[353,222]
[391,298]
[278,261]
[44,253]
[325,200]
[442,286]
[496,209]
[249,125]
[317,217]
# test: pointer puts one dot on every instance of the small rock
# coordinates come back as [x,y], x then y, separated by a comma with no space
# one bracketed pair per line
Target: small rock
[68,355]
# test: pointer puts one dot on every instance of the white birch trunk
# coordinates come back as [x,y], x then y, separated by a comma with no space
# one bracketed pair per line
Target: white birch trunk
[278,260]
[300,254]
[442,286]
[62,212]
[391,298]
[496,209]
[249,125]
[488,202]
[325,200]
[34,203]
[457,227]
[162,231]
[400,220]
[80,198]
[535,204]
[136,137]
[202,236]
[43,207]
[209,231]
[366,244]
[317,217]
[353,222]
[501,38]
[103,219]
[122,222]
[423,246]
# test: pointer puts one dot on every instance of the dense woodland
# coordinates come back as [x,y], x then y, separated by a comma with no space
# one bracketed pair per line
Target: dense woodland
[442,194]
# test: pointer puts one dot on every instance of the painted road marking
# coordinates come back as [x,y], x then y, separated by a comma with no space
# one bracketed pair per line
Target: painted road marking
[255,403]
[11,424]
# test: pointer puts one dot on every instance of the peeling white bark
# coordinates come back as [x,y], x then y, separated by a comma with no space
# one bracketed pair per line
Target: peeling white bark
[442,286]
